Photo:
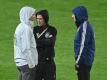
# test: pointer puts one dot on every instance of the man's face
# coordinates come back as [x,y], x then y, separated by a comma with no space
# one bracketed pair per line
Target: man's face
[33,17]
[40,20]
[73,17]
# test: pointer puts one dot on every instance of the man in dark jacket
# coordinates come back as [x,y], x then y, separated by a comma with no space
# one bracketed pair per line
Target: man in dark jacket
[84,43]
[45,36]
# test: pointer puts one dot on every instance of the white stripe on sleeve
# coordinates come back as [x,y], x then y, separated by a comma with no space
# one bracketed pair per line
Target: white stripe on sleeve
[82,42]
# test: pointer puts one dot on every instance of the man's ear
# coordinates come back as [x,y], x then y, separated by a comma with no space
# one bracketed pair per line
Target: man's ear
[73,17]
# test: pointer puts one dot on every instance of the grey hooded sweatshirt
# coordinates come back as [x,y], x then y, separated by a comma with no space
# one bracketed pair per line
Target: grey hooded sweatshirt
[25,52]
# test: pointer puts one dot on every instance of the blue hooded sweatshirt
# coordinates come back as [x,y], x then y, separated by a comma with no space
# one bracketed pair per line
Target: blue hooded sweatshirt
[84,42]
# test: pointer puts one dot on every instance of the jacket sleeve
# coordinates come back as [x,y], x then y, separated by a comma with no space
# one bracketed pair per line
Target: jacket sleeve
[84,38]
[49,40]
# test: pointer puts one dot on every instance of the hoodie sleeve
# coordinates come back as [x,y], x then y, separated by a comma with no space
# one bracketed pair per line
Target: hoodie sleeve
[83,42]
[26,46]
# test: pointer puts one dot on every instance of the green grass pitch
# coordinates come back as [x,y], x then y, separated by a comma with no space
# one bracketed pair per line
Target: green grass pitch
[60,17]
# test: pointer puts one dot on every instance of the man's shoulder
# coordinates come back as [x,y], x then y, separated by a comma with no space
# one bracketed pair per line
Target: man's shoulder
[52,28]
[20,28]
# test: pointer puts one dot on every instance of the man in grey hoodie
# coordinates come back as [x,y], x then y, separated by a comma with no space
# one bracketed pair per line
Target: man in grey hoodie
[25,52]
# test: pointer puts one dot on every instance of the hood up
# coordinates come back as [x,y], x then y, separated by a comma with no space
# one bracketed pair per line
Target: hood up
[25,14]
[81,15]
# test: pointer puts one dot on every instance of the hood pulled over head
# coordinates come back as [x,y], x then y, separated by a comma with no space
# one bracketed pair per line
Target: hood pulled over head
[81,14]
[25,14]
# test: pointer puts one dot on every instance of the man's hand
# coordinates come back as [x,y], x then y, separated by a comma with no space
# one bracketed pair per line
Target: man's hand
[76,67]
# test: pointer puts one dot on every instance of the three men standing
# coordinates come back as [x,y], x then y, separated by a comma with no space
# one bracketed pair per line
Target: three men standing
[29,52]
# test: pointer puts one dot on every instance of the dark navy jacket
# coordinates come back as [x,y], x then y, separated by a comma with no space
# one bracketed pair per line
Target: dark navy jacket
[84,43]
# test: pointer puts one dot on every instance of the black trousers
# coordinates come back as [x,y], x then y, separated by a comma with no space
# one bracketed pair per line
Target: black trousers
[83,72]
[46,70]
[26,73]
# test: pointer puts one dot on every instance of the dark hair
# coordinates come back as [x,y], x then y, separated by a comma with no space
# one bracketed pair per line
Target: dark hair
[44,14]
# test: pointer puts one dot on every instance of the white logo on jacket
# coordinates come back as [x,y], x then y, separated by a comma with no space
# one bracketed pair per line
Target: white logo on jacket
[48,35]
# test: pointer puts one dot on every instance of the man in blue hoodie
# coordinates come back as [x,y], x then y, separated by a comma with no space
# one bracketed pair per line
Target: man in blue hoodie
[84,43]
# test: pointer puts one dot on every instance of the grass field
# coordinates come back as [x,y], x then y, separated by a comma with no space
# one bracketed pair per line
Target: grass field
[60,17]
